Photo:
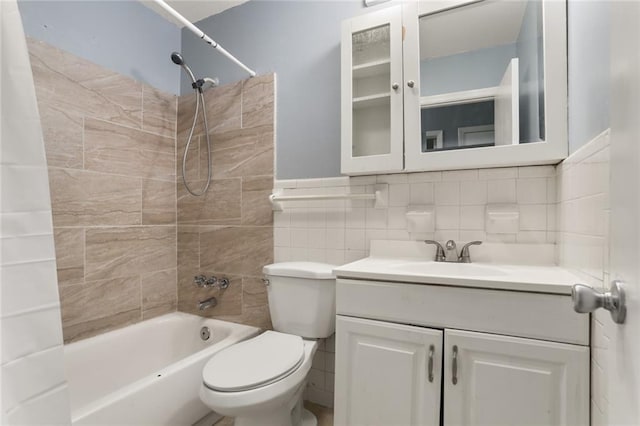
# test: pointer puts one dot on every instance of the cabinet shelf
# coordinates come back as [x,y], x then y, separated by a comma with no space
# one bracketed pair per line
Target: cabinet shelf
[371,101]
[370,69]
[457,98]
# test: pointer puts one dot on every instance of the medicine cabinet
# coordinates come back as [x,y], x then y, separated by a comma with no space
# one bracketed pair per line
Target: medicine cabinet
[457,84]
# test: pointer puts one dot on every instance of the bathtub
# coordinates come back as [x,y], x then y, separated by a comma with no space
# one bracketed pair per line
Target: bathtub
[148,373]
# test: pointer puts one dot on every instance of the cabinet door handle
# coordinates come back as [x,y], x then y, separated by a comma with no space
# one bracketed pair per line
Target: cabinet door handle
[395,86]
[430,367]
[454,366]
[411,83]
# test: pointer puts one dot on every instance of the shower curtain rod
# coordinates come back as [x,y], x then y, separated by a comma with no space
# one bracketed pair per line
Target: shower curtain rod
[197,31]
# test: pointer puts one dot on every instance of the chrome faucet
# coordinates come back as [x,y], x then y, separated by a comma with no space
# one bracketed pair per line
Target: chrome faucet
[451,254]
[208,303]
[465,257]
[211,282]
[440,256]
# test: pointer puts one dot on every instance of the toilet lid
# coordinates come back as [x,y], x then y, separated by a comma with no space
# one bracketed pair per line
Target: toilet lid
[255,362]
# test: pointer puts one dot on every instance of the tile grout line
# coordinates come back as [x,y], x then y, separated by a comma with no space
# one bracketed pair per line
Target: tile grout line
[112,174]
[142,108]
[175,194]
[83,137]
[140,292]
[114,123]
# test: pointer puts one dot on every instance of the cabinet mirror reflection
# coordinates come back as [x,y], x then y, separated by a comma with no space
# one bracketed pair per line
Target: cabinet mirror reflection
[482,76]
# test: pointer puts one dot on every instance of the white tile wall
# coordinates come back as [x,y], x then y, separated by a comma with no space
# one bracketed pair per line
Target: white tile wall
[33,389]
[567,205]
[321,377]
[339,232]
[582,239]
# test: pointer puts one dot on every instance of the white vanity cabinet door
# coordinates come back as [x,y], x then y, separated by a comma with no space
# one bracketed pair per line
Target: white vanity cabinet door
[383,375]
[504,380]
[372,133]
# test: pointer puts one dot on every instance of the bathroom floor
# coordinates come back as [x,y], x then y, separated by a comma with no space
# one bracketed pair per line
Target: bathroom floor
[324,415]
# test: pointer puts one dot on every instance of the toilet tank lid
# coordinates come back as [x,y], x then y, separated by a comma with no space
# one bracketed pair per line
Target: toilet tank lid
[315,270]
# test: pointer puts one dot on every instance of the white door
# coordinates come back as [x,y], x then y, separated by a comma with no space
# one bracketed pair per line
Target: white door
[497,380]
[507,107]
[371,93]
[623,369]
[386,374]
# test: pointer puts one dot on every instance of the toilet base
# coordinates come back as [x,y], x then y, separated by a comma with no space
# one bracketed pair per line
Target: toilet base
[279,418]
[308,418]
[292,414]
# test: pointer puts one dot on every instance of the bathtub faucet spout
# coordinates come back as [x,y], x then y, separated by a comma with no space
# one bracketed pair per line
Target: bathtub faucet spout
[208,303]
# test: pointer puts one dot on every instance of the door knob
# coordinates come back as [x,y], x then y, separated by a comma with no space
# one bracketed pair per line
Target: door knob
[586,299]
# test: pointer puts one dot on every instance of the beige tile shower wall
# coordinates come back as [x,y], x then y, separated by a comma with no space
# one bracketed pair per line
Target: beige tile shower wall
[110,147]
[583,246]
[229,231]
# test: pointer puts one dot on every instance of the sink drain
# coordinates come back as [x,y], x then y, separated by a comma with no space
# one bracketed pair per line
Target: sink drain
[205,333]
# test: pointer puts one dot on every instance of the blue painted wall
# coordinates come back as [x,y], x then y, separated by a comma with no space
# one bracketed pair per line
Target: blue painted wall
[300,41]
[476,69]
[123,36]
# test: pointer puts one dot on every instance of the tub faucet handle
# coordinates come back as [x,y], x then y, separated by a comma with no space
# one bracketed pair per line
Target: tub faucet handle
[211,281]
[199,280]
[224,283]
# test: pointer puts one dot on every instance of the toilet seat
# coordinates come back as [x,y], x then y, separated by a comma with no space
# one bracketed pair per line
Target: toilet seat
[254,363]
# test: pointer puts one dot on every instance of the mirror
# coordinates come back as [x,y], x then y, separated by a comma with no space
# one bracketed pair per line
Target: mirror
[481,70]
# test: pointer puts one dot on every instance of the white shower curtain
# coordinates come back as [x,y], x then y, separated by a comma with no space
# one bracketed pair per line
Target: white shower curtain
[34,389]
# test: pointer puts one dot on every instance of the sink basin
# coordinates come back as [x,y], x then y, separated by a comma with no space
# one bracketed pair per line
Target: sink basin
[449,269]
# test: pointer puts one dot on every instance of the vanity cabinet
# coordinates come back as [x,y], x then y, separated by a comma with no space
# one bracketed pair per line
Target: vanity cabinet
[454,84]
[387,374]
[495,357]
[503,380]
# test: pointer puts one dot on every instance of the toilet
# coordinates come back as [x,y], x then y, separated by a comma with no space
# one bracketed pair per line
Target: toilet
[260,381]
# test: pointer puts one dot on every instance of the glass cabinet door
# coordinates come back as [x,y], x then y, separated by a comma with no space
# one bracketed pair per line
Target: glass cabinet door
[372,128]
[490,83]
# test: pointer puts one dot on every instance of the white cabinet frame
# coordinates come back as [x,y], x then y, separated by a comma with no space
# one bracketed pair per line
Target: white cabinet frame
[553,150]
[387,374]
[509,380]
[382,163]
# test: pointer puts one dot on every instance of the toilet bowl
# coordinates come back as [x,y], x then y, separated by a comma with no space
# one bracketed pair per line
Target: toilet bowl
[261,381]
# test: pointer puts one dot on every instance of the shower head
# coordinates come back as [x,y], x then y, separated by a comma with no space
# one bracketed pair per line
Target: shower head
[177,58]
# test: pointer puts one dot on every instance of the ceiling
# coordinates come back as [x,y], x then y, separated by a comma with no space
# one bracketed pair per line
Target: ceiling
[193,10]
[469,28]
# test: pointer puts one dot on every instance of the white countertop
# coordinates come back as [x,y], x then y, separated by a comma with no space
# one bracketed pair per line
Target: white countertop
[401,262]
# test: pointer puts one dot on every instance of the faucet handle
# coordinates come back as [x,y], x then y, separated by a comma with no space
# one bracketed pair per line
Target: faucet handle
[440,256]
[199,280]
[465,257]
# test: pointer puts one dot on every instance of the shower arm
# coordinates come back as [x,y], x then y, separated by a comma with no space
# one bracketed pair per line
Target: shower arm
[212,81]
[197,31]
[200,84]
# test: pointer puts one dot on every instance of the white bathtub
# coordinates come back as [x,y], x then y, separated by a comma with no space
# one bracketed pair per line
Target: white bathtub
[147,373]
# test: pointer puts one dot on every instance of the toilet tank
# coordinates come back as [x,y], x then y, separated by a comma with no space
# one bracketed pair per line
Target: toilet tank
[302,298]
